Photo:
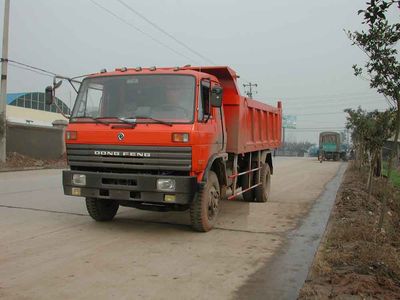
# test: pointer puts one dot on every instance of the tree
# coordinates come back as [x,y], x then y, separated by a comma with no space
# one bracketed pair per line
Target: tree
[382,68]
[370,132]
[357,122]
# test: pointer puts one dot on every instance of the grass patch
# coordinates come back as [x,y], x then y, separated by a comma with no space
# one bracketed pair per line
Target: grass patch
[394,177]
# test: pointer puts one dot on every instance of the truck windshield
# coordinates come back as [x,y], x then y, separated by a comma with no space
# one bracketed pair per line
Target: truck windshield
[168,98]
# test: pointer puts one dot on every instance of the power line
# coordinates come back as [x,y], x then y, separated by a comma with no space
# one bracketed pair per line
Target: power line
[326,109]
[324,96]
[317,113]
[164,32]
[140,30]
[157,27]
[333,101]
[30,70]
[343,105]
[40,71]
[312,128]
[316,129]
[29,66]
[321,113]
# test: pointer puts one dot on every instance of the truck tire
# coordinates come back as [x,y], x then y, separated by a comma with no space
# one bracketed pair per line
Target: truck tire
[102,210]
[249,195]
[205,207]
[262,192]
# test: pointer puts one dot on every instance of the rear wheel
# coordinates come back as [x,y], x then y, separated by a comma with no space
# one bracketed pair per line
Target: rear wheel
[102,210]
[205,207]
[262,192]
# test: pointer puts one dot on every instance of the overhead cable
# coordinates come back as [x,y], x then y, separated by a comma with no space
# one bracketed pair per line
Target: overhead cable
[30,70]
[28,66]
[140,15]
[140,30]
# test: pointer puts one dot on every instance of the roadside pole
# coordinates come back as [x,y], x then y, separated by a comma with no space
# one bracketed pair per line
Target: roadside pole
[3,89]
[283,137]
[250,92]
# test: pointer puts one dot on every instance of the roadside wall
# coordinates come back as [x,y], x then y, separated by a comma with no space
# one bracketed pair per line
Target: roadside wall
[281,152]
[41,142]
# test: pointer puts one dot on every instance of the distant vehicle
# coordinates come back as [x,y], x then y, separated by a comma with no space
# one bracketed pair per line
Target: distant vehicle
[313,151]
[331,146]
[168,139]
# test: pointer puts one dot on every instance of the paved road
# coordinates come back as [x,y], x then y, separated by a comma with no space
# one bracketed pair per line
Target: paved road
[51,249]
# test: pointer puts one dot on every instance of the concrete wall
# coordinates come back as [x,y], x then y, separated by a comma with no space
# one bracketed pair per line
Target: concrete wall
[30,116]
[41,142]
[281,152]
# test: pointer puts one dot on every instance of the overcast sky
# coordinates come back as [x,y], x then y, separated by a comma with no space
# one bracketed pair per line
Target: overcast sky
[294,50]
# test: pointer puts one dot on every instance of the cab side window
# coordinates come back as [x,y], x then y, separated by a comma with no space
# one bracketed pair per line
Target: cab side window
[204,105]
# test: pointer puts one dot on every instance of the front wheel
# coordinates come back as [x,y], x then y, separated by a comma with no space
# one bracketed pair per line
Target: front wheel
[102,210]
[205,207]
[262,191]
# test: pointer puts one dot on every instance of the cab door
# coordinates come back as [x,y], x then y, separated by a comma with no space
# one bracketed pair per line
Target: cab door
[207,118]
[218,115]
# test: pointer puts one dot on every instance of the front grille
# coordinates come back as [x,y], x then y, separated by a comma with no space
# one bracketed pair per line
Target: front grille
[129,158]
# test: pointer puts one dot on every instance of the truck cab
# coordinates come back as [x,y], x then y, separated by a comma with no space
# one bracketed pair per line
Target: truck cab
[156,139]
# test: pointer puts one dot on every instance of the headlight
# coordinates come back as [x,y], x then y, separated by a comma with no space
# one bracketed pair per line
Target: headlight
[79,179]
[166,185]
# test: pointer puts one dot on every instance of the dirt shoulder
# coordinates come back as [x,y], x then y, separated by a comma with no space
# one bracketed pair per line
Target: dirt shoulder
[354,258]
[16,161]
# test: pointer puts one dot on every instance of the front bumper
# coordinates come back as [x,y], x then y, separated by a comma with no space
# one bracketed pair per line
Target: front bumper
[129,187]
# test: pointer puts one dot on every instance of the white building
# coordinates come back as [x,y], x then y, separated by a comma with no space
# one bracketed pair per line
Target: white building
[30,108]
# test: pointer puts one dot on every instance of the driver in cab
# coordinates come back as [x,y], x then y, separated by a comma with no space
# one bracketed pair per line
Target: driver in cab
[175,105]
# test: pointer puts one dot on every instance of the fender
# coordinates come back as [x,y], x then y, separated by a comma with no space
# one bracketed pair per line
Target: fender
[211,160]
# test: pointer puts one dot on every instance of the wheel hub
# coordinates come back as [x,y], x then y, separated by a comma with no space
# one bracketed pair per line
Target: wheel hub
[213,203]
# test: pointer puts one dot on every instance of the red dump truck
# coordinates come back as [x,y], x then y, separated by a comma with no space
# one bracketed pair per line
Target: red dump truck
[165,139]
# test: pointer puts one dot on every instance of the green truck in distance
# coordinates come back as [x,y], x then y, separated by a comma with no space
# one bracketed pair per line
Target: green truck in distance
[331,146]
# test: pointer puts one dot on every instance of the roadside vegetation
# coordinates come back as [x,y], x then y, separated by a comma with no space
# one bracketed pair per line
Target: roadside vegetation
[360,253]
[356,259]
[16,161]
[370,131]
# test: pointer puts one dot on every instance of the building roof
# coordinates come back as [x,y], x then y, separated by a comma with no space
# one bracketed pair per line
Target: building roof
[24,115]
[12,96]
[31,108]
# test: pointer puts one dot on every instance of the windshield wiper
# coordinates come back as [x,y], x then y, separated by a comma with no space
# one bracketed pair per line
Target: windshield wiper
[121,120]
[96,120]
[153,119]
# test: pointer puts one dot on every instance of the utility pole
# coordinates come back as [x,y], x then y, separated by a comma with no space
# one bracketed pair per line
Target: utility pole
[283,138]
[3,89]
[250,85]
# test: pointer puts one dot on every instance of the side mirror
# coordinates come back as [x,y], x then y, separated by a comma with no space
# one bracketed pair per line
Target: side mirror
[50,91]
[49,95]
[216,96]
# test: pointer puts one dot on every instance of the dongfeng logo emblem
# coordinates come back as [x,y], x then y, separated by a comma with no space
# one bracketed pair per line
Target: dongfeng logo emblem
[120,136]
